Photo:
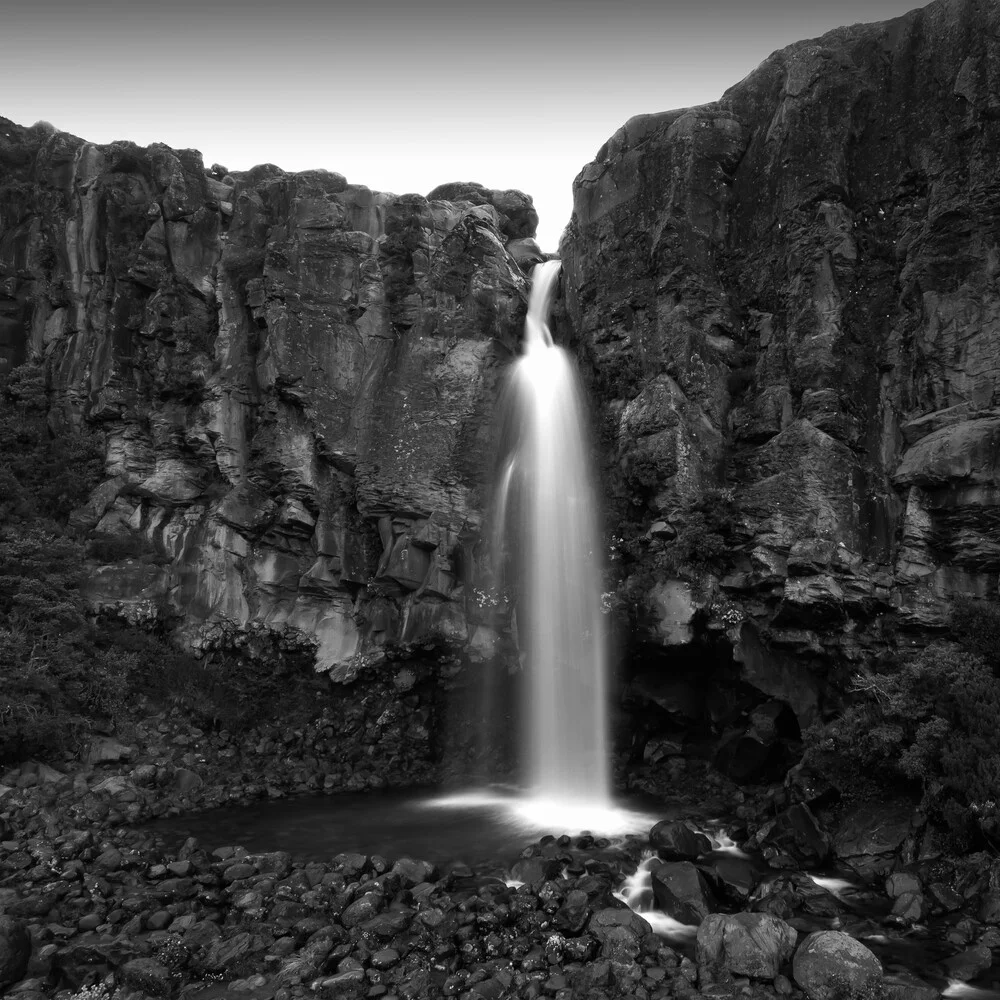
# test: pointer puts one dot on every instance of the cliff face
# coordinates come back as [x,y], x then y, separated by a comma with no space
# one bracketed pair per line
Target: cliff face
[295,376]
[787,303]
[789,298]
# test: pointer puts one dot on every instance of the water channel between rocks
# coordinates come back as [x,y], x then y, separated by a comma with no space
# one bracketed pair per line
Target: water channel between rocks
[476,829]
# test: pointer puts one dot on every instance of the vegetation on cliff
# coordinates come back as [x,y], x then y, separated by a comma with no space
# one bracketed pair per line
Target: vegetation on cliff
[66,674]
[927,721]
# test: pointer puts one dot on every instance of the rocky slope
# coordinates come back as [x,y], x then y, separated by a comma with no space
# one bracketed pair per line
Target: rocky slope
[294,374]
[789,299]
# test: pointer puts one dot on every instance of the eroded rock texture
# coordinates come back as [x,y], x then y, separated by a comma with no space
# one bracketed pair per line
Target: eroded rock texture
[295,376]
[791,297]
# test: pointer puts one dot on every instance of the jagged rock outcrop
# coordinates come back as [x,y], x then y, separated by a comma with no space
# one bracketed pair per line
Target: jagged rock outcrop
[295,377]
[789,300]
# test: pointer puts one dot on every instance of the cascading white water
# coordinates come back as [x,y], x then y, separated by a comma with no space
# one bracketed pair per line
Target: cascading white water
[548,533]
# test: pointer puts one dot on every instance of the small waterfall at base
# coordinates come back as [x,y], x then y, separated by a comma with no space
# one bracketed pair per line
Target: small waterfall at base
[548,540]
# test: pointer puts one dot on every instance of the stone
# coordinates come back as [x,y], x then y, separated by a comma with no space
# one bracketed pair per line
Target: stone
[989,908]
[15,950]
[681,891]
[676,841]
[619,933]
[735,876]
[186,780]
[277,864]
[227,954]
[571,917]
[797,832]
[826,961]
[368,906]
[900,883]
[385,958]
[906,986]
[147,975]
[870,836]
[414,872]
[969,963]
[909,907]
[746,944]
[107,751]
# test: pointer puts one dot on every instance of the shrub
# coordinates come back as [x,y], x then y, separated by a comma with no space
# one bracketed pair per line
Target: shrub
[705,532]
[41,473]
[928,723]
[977,624]
[57,676]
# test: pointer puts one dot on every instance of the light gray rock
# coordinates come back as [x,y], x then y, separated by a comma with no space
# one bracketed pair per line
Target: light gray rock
[746,944]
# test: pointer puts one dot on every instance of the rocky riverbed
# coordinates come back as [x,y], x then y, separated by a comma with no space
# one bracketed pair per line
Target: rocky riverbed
[90,901]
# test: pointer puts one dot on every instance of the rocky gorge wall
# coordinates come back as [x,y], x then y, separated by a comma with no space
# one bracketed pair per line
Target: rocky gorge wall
[785,304]
[789,307]
[294,377]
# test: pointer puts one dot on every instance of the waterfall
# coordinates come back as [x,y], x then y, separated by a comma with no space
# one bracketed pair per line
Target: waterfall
[548,539]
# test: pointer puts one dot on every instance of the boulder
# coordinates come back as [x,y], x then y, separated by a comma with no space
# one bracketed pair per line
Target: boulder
[572,916]
[619,932]
[414,872]
[681,891]
[827,962]
[676,841]
[970,963]
[869,838]
[147,976]
[797,832]
[368,906]
[745,944]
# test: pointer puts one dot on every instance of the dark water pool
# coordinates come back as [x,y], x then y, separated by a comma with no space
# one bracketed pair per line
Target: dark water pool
[447,829]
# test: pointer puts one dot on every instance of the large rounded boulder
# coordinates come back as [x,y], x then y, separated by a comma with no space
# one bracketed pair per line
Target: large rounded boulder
[829,962]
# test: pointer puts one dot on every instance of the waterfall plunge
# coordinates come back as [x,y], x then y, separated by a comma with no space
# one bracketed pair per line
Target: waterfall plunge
[548,539]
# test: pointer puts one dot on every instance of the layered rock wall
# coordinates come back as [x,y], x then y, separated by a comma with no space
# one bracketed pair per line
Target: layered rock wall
[790,298]
[295,378]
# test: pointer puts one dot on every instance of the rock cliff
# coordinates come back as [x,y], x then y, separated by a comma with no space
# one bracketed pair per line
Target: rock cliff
[789,304]
[786,303]
[294,376]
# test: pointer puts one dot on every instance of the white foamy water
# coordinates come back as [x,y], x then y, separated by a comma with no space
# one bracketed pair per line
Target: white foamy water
[531,814]
[637,894]
[724,844]
[549,536]
[833,885]
[956,988]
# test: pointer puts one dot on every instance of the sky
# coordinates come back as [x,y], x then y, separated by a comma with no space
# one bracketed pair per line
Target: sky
[400,95]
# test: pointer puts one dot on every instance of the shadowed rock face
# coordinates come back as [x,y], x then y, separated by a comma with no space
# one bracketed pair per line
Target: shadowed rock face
[295,376]
[792,294]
